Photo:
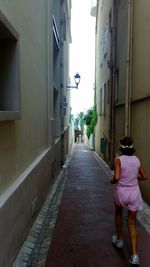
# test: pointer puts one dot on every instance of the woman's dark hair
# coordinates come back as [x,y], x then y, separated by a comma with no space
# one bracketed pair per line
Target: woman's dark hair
[126,146]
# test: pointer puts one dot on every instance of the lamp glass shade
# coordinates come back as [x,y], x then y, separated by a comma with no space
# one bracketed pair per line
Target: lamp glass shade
[77,78]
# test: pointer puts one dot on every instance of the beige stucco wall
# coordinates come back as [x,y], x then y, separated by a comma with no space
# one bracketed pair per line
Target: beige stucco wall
[140,108]
[141,51]
[140,66]
[29,154]
[102,74]
[141,132]
[20,204]
[140,81]
[22,141]
[140,112]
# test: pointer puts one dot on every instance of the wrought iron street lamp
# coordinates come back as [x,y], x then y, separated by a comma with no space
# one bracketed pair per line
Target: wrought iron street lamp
[77,78]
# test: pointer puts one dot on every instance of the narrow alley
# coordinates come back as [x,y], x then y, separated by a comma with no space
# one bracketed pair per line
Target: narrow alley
[74,79]
[82,233]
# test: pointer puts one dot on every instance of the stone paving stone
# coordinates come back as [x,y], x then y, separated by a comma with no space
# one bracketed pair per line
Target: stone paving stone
[40,263]
[25,258]
[144,217]
[27,250]
[30,244]
[23,264]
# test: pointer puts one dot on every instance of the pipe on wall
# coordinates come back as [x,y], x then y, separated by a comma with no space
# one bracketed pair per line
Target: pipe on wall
[112,81]
[128,92]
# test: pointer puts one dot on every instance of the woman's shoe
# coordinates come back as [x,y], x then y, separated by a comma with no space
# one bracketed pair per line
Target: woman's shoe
[117,242]
[134,260]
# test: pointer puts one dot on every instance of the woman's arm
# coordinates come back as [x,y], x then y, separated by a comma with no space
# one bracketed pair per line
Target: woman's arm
[142,174]
[117,171]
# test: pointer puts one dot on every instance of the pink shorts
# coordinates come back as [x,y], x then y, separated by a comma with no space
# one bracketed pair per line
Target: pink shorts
[129,198]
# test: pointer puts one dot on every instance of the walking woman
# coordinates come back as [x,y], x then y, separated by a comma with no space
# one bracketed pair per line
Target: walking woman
[127,172]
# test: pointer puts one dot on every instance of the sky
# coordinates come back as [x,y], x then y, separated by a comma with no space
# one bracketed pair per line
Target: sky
[82,55]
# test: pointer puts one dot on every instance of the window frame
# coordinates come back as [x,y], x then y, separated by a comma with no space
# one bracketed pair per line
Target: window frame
[10,106]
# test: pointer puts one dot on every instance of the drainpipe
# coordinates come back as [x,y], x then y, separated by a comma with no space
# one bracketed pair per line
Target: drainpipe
[129,69]
[112,82]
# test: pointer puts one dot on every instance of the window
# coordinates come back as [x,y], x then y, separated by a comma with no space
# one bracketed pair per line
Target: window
[101,54]
[110,21]
[103,100]
[64,25]
[56,77]
[104,44]
[56,119]
[102,2]
[56,34]
[117,86]
[108,92]
[56,54]
[105,40]
[9,71]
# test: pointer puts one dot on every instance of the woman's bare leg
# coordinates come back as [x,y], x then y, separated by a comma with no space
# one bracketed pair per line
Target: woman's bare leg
[132,230]
[119,223]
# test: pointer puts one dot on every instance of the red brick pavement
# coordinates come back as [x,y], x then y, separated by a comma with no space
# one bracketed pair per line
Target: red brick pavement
[85,224]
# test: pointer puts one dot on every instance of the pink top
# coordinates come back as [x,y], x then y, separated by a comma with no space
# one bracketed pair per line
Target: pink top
[127,192]
[129,171]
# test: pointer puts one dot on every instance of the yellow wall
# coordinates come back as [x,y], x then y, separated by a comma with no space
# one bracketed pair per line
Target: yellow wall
[23,140]
[140,79]
[141,132]
[141,51]
[140,112]
[102,74]
[30,157]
